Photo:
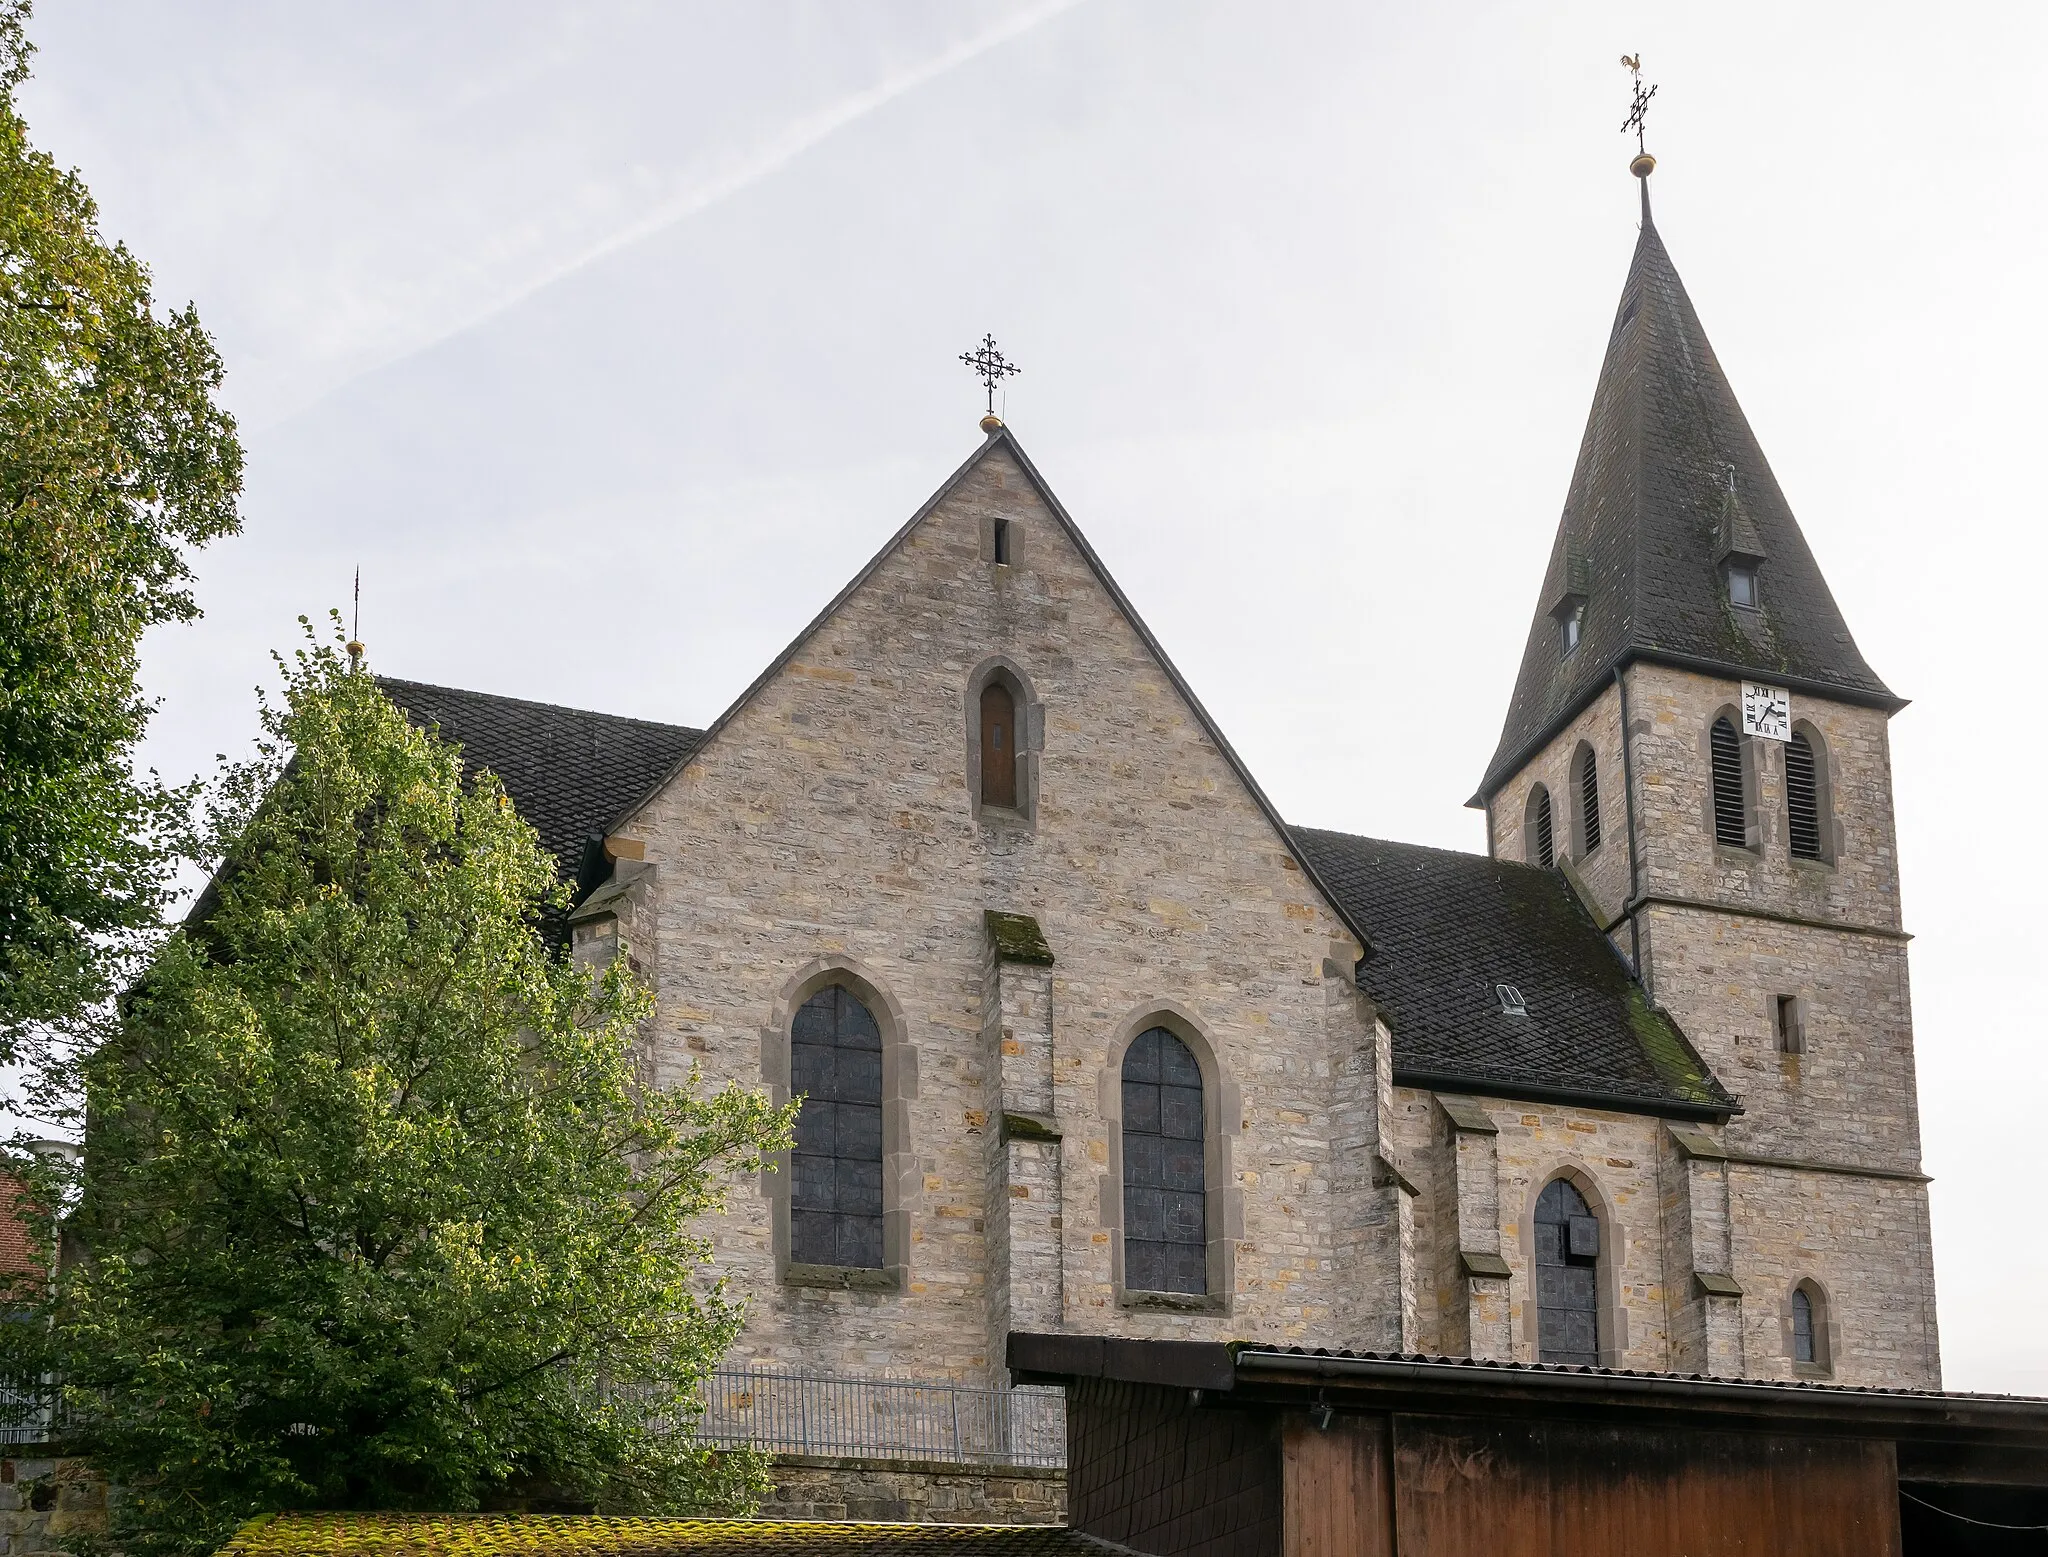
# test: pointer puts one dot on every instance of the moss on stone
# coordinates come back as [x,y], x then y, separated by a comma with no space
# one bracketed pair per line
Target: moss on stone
[1017,938]
[1682,1069]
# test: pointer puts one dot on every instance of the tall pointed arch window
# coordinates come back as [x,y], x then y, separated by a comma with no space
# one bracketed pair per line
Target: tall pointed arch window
[1166,1221]
[1809,1329]
[1803,797]
[1586,776]
[1731,806]
[1539,829]
[835,1193]
[1567,1276]
[998,746]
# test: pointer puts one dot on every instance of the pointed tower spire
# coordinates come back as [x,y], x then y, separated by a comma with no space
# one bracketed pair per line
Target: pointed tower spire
[1676,544]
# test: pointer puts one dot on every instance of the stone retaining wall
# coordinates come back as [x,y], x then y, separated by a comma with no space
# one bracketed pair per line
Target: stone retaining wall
[816,1487]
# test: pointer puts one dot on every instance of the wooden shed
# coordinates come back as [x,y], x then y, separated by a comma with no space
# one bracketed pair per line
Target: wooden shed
[1193,1449]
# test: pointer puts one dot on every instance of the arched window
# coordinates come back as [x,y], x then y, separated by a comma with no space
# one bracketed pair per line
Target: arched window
[1803,797]
[1540,832]
[1809,1326]
[1166,1235]
[1567,1265]
[998,746]
[835,1192]
[1731,808]
[1586,774]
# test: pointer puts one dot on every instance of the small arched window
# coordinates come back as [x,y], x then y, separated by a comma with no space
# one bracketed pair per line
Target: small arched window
[1540,842]
[1567,1271]
[1731,808]
[998,746]
[1587,776]
[1803,797]
[1809,1326]
[1166,1234]
[835,1192]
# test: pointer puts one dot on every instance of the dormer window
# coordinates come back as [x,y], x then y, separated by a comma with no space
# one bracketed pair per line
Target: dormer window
[1742,592]
[1571,624]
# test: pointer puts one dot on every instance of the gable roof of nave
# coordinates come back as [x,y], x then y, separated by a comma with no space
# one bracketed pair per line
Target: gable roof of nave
[1446,926]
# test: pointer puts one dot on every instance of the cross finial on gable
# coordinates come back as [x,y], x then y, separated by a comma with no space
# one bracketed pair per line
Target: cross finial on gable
[992,367]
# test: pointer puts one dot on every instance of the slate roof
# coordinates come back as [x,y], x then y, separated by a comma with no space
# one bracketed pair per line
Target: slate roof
[1448,927]
[597,1535]
[571,773]
[1647,520]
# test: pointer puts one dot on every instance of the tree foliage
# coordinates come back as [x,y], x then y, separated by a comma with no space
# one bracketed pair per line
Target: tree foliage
[114,462]
[378,1213]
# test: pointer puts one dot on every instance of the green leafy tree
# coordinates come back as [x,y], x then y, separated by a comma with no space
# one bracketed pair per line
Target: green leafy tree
[114,462]
[377,1211]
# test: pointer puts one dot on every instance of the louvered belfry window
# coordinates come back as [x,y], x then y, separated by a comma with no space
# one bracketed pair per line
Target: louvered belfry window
[1546,829]
[1166,1237]
[1567,1268]
[1589,799]
[1731,819]
[835,1192]
[998,746]
[1802,797]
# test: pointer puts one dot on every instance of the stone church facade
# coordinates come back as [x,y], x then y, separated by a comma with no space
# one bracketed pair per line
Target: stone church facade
[1094,1042]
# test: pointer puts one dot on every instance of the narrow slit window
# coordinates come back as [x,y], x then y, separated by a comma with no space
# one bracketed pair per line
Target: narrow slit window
[1791,1026]
[1731,812]
[1802,797]
[998,746]
[1002,542]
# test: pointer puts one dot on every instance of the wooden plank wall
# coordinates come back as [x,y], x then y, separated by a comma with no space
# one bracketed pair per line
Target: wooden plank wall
[1561,1489]
[1337,1487]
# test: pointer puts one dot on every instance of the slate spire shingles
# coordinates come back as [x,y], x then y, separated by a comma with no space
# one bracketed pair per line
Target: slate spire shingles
[1648,521]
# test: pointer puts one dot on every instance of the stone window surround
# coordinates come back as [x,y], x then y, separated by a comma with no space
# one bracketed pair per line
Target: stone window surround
[899,1090]
[1826,1334]
[1030,738]
[1613,1319]
[1223,1206]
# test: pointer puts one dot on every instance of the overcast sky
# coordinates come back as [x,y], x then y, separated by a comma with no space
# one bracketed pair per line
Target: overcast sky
[610,340]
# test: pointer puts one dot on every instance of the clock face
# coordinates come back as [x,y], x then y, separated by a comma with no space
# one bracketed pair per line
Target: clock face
[1766,711]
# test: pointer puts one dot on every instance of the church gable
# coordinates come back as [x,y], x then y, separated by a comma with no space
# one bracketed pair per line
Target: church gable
[984,586]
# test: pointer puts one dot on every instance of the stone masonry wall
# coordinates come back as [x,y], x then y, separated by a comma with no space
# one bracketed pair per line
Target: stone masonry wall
[812,1487]
[829,825]
[1850,1098]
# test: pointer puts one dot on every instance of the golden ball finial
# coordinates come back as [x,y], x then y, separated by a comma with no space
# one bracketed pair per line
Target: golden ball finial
[991,422]
[355,651]
[1642,164]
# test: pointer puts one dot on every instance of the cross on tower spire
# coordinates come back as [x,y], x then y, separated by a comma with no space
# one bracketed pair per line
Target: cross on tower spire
[991,367]
[1642,164]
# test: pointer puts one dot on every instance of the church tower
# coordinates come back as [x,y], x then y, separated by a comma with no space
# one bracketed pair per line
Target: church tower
[1697,743]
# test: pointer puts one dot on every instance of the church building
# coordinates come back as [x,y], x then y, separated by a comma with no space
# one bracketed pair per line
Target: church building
[1092,1042]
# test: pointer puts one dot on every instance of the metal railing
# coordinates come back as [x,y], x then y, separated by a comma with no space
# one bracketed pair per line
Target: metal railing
[29,1412]
[883,1418]
[786,1412]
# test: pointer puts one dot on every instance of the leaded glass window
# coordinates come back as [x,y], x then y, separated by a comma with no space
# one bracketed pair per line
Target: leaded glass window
[1802,1326]
[1567,1265]
[835,1196]
[1165,1218]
